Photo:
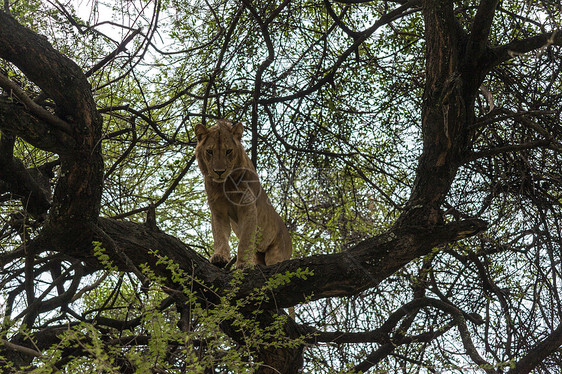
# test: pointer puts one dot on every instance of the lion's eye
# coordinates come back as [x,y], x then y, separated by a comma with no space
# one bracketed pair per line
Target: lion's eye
[209,151]
[228,151]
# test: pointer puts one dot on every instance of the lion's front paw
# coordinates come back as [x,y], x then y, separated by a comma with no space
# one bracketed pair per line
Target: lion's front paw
[219,260]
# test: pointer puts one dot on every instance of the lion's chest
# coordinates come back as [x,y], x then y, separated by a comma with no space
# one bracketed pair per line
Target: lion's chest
[238,197]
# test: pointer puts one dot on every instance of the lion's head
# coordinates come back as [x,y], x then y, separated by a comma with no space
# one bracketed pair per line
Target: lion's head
[219,150]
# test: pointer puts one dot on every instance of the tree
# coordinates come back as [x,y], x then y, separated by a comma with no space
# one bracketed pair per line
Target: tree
[412,147]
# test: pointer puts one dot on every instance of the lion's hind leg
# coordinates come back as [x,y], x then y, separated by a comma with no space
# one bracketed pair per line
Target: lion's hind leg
[274,254]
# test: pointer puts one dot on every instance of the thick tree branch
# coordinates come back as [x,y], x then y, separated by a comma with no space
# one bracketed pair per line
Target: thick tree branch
[19,348]
[448,118]
[29,185]
[542,350]
[337,19]
[519,47]
[481,25]
[34,108]
[59,77]
[342,274]
[16,120]
[446,114]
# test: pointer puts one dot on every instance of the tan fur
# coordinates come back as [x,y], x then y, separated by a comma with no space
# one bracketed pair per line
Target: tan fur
[237,200]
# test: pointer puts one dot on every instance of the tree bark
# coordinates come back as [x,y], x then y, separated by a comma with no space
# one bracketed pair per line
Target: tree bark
[455,67]
[77,196]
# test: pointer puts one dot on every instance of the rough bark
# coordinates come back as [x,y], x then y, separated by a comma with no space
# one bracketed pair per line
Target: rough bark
[443,114]
[77,196]
[454,72]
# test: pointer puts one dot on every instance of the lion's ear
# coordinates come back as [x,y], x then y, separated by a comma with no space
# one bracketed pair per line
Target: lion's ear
[200,131]
[237,130]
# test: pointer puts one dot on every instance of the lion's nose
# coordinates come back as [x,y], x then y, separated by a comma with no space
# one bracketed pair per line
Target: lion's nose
[220,172]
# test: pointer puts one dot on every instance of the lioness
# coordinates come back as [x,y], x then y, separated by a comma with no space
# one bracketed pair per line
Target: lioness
[237,200]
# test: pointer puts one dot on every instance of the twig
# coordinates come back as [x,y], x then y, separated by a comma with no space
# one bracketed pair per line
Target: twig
[109,57]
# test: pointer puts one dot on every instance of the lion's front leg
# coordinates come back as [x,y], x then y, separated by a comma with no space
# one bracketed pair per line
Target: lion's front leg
[220,225]
[247,235]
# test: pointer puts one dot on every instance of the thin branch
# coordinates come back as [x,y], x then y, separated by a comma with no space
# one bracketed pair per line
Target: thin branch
[141,51]
[220,59]
[506,114]
[90,287]
[374,358]
[261,69]
[329,74]
[337,19]
[164,196]
[505,149]
[112,55]
[383,351]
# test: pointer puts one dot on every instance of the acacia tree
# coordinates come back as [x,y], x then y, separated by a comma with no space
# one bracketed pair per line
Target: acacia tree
[411,146]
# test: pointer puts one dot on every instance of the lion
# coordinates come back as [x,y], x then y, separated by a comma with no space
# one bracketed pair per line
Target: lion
[237,200]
